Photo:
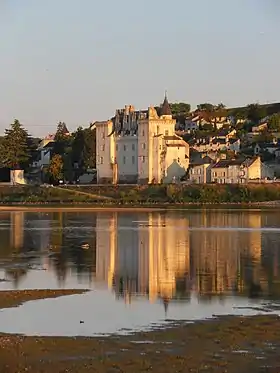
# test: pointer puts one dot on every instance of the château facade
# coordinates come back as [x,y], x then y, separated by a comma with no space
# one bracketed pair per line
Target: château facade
[140,147]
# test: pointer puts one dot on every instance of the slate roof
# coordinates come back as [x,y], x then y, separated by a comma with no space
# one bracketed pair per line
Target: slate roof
[165,109]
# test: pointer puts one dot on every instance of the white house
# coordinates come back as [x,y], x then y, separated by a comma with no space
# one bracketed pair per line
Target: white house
[140,147]
[44,154]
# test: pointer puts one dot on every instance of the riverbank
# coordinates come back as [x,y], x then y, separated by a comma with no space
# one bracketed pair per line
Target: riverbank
[137,196]
[14,298]
[229,344]
[87,207]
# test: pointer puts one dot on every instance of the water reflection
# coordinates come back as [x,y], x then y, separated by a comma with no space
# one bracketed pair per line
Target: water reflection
[155,256]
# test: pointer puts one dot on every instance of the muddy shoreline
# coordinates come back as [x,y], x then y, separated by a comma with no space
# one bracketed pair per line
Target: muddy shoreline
[14,298]
[229,344]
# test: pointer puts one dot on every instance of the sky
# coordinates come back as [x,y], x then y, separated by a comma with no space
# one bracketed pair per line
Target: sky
[77,61]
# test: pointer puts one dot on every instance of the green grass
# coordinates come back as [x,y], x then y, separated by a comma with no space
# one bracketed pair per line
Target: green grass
[159,195]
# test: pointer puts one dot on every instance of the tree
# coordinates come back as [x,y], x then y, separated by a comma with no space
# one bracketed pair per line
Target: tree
[255,112]
[206,107]
[220,106]
[84,148]
[55,169]
[62,139]
[62,130]
[239,115]
[180,108]
[14,151]
[274,122]
[89,151]
[78,145]
[207,127]
[264,136]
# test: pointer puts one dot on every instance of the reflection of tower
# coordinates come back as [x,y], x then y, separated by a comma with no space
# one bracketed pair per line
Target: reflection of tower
[151,259]
[255,246]
[57,231]
[163,254]
[17,229]
[112,248]
[106,247]
[255,241]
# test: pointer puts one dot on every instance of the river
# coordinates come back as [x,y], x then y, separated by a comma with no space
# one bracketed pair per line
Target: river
[143,269]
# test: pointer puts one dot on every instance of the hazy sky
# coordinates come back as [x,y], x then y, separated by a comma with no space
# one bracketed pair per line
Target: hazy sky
[78,60]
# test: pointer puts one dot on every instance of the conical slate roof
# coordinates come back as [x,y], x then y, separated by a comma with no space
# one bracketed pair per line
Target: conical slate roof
[165,109]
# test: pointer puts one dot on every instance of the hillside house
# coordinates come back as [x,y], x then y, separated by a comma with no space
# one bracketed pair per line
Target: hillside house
[214,144]
[200,172]
[44,153]
[240,171]
[260,127]
[269,147]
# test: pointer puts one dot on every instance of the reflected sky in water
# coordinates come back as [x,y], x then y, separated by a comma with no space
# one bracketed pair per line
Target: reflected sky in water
[144,267]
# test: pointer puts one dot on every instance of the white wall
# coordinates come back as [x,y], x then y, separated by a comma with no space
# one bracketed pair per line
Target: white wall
[105,152]
[17,177]
[175,163]
[156,157]
[266,171]
[235,146]
[127,158]
[143,150]
[45,158]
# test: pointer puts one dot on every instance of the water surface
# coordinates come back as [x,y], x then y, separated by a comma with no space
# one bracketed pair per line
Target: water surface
[143,269]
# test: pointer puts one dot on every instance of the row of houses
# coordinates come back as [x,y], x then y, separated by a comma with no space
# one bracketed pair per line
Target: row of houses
[224,171]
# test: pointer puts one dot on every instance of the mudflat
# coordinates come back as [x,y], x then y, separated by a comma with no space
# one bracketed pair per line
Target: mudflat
[13,298]
[229,344]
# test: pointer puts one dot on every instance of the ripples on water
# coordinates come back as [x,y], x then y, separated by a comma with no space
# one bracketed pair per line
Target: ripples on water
[142,267]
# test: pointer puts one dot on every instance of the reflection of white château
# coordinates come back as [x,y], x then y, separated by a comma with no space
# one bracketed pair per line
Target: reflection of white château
[145,260]
[163,254]
[17,229]
[216,254]
[140,147]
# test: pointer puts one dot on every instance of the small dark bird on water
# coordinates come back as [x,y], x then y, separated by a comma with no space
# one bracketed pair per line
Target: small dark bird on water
[81,322]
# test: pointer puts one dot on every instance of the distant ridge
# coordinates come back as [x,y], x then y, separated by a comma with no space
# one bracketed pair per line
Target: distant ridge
[271,108]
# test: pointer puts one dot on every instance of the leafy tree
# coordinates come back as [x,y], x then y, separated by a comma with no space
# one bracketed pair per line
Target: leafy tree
[239,114]
[33,144]
[206,107]
[255,112]
[89,151]
[68,170]
[207,127]
[180,108]
[274,122]
[78,145]
[220,106]
[264,136]
[62,139]
[62,130]
[84,148]
[14,150]
[55,169]
[226,126]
